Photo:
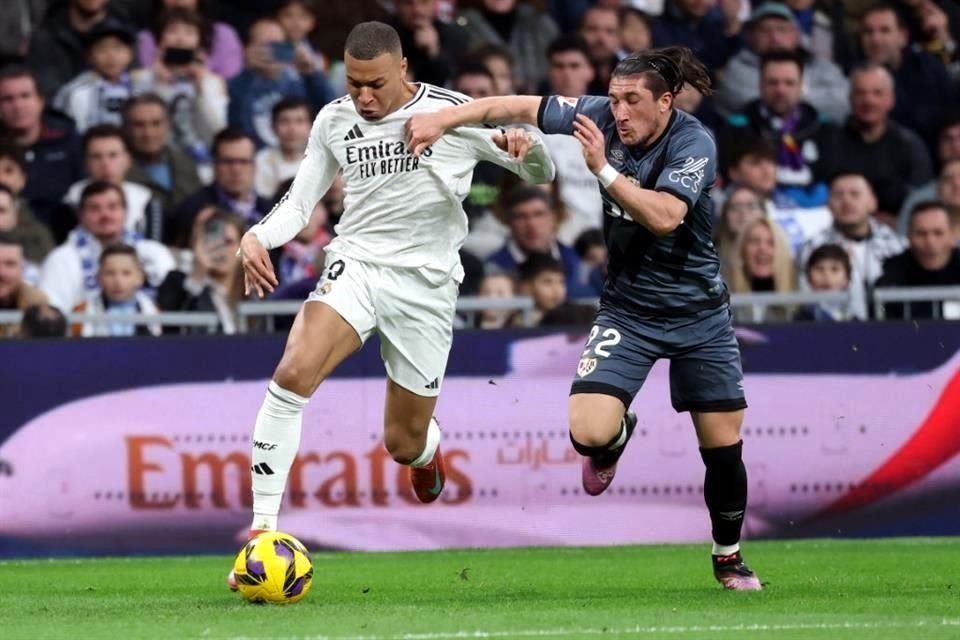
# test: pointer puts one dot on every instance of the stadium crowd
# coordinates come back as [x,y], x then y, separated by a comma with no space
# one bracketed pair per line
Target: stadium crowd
[139,139]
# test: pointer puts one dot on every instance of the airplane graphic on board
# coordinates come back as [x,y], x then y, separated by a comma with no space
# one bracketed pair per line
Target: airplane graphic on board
[156,467]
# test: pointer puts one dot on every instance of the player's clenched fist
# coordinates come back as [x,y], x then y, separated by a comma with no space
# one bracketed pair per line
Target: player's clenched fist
[516,142]
[423,130]
[591,141]
[257,269]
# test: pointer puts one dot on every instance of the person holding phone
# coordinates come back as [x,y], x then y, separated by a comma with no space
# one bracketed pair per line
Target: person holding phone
[273,71]
[196,97]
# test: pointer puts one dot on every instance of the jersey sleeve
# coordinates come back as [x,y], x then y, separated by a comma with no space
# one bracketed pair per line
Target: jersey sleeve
[537,167]
[690,167]
[557,113]
[313,179]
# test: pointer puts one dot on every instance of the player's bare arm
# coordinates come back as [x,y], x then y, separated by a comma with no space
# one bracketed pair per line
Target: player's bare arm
[425,129]
[515,142]
[258,275]
[658,211]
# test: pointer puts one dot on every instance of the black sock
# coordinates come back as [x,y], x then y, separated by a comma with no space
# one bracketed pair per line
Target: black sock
[725,491]
[607,452]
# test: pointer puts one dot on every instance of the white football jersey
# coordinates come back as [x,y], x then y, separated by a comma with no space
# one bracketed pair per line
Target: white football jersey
[399,210]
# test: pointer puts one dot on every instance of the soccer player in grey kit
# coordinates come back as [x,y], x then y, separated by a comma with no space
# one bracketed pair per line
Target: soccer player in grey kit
[663,297]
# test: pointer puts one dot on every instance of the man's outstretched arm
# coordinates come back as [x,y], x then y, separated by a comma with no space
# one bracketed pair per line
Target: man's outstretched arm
[426,128]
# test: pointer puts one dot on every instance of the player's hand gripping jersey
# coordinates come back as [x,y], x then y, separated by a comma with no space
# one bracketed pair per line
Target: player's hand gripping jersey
[399,210]
[675,274]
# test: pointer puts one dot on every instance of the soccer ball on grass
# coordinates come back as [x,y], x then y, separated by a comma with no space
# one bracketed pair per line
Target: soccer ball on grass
[274,568]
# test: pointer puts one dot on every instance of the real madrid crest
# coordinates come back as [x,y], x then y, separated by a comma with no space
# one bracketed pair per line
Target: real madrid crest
[586,366]
[325,288]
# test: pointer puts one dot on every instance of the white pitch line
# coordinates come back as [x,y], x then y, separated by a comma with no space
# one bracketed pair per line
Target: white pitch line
[630,631]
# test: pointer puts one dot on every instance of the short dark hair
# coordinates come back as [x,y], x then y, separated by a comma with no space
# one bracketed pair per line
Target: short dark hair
[142,99]
[484,52]
[15,154]
[829,252]
[565,44]
[369,40]
[230,134]
[782,55]
[523,193]
[754,146]
[102,132]
[97,187]
[180,15]
[17,71]
[43,321]
[666,70]
[289,104]
[118,249]
[473,68]
[587,240]
[537,263]
[283,4]
[646,18]
[927,205]
[8,239]
[882,7]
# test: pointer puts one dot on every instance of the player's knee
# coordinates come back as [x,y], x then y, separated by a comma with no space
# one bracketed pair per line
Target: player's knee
[293,376]
[401,447]
[588,431]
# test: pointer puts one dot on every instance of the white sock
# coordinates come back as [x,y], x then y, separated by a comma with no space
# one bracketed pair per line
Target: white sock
[276,438]
[622,438]
[728,550]
[433,441]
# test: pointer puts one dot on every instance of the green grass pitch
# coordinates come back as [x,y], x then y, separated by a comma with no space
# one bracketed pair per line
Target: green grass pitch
[898,589]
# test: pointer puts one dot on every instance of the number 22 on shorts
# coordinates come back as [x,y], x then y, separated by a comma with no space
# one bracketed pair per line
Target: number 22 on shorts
[611,338]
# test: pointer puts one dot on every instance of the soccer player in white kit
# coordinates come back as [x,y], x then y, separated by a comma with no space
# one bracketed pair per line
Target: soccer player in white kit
[394,266]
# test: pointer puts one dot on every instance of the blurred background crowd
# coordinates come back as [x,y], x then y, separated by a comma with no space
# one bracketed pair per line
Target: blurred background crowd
[139,139]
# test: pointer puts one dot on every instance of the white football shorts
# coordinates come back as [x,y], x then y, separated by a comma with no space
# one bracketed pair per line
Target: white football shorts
[413,317]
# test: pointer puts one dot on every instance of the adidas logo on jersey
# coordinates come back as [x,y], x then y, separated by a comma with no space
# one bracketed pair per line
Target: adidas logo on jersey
[354,134]
[433,385]
[262,469]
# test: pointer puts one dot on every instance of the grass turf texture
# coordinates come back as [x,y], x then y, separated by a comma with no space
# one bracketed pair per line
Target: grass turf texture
[897,589]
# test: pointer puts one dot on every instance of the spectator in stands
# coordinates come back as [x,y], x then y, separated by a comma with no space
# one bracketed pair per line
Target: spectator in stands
[932,260]
[487,233]
[232,188]
[600,31]
[891,157]
[753,165]
[170,173]
[196,98]
[542,278]
[298,258]
[43,321]
[948,149]
[107,159]
[57,47]
[15,216]
[499,62]
[226,52]
[497,285]
[97,96]
[761,261]
[867,242]
[298,22]
[592,250]
[710,29]
[533,223]
[215,282]
[15,294]
[741,207]
[923,88]
[570,74]
[772,27]
[792,125]
[827,269]
[948,192]
[275,164]
[121,278]
[17,22]
[519,27]
[70,272]
[636,31]
[433,48]
[273,72]
[814,19]
[940,33]
[48,141]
